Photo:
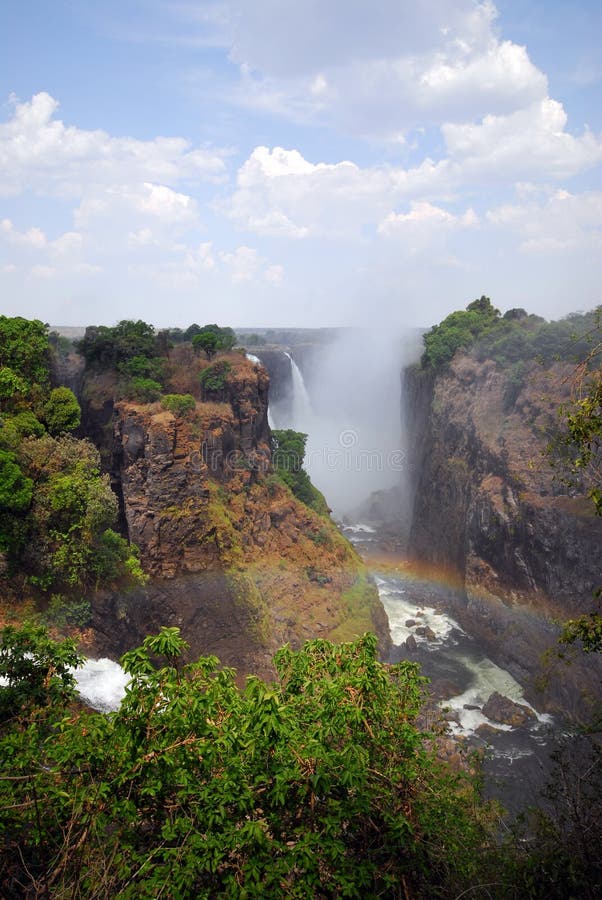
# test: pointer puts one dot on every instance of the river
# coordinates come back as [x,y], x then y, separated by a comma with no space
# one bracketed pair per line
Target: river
[516,761]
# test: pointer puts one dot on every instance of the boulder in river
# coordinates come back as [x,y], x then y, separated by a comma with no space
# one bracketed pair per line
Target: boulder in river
[505,711]
[410,642]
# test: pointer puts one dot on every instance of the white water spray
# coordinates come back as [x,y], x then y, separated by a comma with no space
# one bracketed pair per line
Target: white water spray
[101,683]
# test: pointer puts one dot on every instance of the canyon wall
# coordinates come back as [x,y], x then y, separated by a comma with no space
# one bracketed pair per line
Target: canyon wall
[492,516]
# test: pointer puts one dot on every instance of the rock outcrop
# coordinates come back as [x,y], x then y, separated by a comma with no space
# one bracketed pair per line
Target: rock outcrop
[234,559]
[505,711]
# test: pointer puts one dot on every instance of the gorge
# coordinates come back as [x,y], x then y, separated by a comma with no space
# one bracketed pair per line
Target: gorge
[451,540]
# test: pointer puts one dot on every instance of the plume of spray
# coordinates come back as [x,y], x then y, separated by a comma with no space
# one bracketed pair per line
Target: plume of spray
[348,401]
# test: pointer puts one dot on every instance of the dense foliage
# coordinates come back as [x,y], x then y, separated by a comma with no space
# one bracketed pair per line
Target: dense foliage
[287,459]
[458,331]
[211,338]
[214,378]
[57,512]
[511,339]
[178,404]
[319,784]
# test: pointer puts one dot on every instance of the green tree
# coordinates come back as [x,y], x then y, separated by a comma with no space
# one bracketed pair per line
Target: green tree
[16,489]
[66,540]
[144,390]
[24,348]
[224,339]
[37,671]
[318,784]
[287,459]
[13,388]
[62,411]
[208,342]
[458,331]
[111,346]
[179,404]
[214,378]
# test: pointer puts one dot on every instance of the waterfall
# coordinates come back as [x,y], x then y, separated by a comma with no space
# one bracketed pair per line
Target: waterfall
[257,362]
[301,410]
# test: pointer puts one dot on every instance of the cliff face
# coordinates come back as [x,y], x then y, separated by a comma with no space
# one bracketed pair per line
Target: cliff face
[489,512]
[233,558]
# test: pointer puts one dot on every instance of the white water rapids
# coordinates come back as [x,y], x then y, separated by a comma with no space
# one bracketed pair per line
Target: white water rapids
[101,683]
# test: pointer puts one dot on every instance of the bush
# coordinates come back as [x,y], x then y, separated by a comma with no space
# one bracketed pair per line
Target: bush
[211,338]
[144,367]
[24,348]
[144,390]
[16,490]
[110,347]
[458,331]
[63,612]
[287,458]
[62,411]
[213,379]
[317,783]
[37,672]
[178,404]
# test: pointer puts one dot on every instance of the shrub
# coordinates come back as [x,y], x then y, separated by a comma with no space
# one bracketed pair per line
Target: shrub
[315,784]
[63,612]
[144,390]
[144,367]
[62,411]
[458,331]
[211,338]
[16,490]
[178,404]
[213,379]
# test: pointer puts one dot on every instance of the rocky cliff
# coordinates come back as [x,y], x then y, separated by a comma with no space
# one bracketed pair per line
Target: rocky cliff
[491,516]
[233,557]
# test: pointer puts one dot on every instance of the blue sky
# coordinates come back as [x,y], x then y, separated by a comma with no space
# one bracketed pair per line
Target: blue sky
[264,162]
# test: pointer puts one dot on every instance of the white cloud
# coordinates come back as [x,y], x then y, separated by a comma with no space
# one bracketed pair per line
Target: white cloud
[35,241]
[377,70]
[68,244]
[553,222]
[421,214]
[137,202]
[279,193]
[33,237]
[205,255]
[243,264]
[527,143]
[38,152]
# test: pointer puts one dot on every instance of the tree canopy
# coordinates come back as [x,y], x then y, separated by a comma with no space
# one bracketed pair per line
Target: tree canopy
[457,331]
[318,784]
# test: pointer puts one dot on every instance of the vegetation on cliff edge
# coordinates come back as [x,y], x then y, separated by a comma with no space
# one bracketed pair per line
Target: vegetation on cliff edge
[57,512]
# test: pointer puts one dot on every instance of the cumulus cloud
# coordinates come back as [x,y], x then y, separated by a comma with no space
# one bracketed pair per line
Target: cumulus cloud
[38,152]
[552,222]
[531,141]
[424,218]
[145,201]
[243,263]
[280,193]
[33,247]
[377,70]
